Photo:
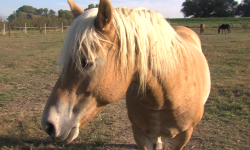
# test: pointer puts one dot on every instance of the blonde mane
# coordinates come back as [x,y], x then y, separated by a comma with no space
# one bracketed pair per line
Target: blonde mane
[146,39]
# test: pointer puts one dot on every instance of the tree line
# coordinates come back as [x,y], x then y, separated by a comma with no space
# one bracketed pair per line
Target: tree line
[215,8]
[34,17]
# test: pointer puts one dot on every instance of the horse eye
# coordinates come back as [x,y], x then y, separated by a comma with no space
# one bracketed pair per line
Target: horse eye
[85,63]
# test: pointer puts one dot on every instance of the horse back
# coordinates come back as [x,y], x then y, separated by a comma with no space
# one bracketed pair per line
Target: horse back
[188,35]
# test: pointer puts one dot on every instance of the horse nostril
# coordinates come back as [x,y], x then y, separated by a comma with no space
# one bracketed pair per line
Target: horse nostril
[50,129]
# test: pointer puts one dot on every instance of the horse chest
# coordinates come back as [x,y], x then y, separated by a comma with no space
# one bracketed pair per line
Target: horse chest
[154,122]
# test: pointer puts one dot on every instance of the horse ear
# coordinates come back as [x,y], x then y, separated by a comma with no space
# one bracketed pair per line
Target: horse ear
[104,16]
[76,10]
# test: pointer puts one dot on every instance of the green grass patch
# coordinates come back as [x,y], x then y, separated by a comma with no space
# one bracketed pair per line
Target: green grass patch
[209,22]
[7,96]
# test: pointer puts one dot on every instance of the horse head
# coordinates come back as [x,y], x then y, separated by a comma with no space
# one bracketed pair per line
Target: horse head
[88,80]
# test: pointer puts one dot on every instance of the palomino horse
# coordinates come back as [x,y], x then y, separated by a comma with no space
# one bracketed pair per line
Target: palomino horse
[112,51]
[224,27]
[202,28]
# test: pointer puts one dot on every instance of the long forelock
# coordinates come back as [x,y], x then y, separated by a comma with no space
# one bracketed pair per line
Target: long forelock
[82,40]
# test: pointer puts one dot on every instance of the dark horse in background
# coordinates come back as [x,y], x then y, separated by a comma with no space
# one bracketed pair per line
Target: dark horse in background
[202,28]
[224,27]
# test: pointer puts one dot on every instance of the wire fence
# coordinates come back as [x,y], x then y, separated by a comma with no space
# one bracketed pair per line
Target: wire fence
[6,29]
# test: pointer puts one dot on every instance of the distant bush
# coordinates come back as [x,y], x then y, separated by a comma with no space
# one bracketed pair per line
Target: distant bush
[34,17]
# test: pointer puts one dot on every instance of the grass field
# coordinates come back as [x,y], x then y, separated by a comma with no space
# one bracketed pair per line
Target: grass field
[210,22]
[28,74]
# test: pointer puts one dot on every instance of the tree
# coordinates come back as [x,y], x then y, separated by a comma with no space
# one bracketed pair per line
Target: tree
[40,11]
[43,12]
[27,9]
[46,12]
[12,17]
[34,17]
[52,13]
[209,8]
[65,14]
[91,6]
[243,9]
[27,13]
[22,15]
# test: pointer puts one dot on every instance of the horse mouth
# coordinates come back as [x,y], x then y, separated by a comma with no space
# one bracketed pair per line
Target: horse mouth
[68,138]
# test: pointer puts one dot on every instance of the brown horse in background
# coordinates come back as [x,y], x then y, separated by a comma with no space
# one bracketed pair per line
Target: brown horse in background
[109,52]
[202,28]
[224,27]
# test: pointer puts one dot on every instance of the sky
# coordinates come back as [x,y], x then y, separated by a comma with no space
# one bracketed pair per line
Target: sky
[168,8]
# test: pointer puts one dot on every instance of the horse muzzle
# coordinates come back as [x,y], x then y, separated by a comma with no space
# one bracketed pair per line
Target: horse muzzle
[59,126]
[65,135]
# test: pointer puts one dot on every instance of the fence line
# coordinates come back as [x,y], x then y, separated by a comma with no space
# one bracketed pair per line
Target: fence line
[24,28]
[3,29]
[189,24]
[208,24]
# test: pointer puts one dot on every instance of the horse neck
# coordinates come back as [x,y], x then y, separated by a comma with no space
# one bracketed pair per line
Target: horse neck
[155,82]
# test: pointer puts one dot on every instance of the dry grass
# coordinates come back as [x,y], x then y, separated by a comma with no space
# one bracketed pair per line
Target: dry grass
[28,74]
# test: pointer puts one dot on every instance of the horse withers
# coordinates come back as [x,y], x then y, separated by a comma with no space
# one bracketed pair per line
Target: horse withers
[224,27]
[202,28]
[109,52]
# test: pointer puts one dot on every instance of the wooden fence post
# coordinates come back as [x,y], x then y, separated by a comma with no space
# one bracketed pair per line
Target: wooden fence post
[62,27]
[9,28]
[4,29]
[25,29]
[45,28]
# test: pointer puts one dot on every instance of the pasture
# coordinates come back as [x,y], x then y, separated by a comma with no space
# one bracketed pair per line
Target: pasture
[28,73]
[210,22]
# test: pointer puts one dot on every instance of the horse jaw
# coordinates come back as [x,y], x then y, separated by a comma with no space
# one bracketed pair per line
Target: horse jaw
[74,132]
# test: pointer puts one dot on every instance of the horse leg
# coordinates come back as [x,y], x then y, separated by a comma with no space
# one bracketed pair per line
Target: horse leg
[158,144]
[181,139]
[142,141]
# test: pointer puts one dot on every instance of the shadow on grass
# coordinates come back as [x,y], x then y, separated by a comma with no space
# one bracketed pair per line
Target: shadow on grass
[7,141]
[18,142]
[22,144]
